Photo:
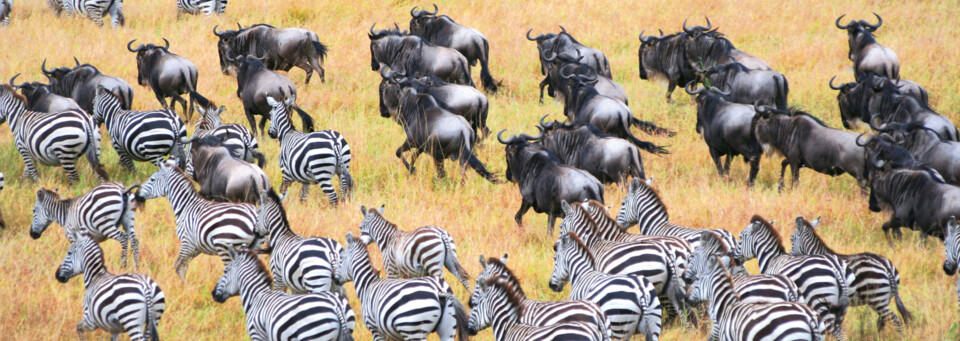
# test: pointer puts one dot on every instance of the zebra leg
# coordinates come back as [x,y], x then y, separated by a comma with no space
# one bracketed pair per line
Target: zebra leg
[325,180]
[115,337]
[124,246]
[85,324]
[125,159]
[284,185]
[304,192]
[29,168]
[70,166]
[187,253]
[135,245]
[346,182]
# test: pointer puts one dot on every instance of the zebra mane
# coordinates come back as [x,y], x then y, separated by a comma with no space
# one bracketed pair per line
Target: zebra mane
[193,184]
[727,277]
[770,230]
[816,236]
[506,274]
[600,208]
[258,264]
[511,290]
[114,95]
[576,239]
[19,97]
[385,220]
[272,196]
[713,239]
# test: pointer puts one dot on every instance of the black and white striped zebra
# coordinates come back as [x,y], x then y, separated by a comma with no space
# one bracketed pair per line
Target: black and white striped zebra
[421,252]
[401,309]
[238,140]
[736,320]
[630,302]
[273,315]
[952,251]
[139,135]
[50,139]
[129,303]
[203,226]
[107,211]
[56,5]
[96,9]
[303,265]
[3,224]
[6,6]
[825,281]
[500,307]
[205,7]
[310,158]
[876,279]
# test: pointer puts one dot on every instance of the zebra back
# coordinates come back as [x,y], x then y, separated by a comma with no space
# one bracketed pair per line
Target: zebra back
[751,288]
[642,206]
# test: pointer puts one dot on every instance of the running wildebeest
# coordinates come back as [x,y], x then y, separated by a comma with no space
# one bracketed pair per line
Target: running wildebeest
[464,100]
[745,86]
[280,48]
[915,199]
[926,147]
[411,54]
[706,47]
[558,87]
[168,74]
[895,107]
[223,177]
[41,99]
[857,100]
[727,128]
[664,58]
[866,53]
[255,82]
[544,181]
[443,31]
[564,42]
[609,159]
[80,84]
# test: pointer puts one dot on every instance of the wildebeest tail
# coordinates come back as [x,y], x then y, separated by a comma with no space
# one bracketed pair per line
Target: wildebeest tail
[92,151]
[307,120]
[199,99]
[480,168]
[650,128]
[636,163]
[261,159]
[489,84]
[782,90]
[894,276]
[649,147]
[320,49]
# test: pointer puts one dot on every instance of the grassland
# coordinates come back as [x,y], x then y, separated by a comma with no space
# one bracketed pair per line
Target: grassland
[797,38]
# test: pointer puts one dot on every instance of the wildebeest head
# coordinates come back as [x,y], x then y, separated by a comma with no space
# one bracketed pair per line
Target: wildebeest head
[705,46]
[55,74]
[850,99]
[247,67]
[384,42]
[32,91]
[236,42]
[858,32]
[519,150]
[664,58]
[422,18]
[709,100]
[147,57]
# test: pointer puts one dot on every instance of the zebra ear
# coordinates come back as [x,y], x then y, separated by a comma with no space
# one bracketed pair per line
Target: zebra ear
[363,210]
[381,208]
[272,102]
[504,259]
[221,110]
[566,207]
[952,226]
[725,260]
[40,194]
[634,185]
[483,262]
[650,181]
[351,239]
[291,101]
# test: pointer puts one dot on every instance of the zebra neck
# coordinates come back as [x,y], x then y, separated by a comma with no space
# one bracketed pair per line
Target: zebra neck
[181,194]
[59,210]
[284,127]
[384,232]
[93,270]
[768,251]
[505,316]
[281,233]
[722,296]
[580,270]
[363,275]
[15,113]
[251,289]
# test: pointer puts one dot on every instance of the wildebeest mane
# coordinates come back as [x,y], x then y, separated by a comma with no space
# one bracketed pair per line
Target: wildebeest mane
[79,75]
[530,160]
[670,52]
[729,71]
[572,139]
[710,53]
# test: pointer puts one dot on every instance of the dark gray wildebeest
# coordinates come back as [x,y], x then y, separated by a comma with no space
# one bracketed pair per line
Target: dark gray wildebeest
[41,99]
[858,99]
[563,42]
[726,128]
[805,141]
[80,83]
[664,58]
[609,159]
[705,47]
[241,143]
[223,177]
[463,100]
[397,50]
[924,147]
[281,48]
[558,87]
[895,107]
[585,105]
[256,82]
[438,132]
[544,181]
[866,53]
[6,6]
[915,199]
[443,31]
[746,86]
[168,74]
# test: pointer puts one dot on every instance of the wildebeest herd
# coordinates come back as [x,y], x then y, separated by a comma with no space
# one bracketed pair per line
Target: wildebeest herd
[622,284]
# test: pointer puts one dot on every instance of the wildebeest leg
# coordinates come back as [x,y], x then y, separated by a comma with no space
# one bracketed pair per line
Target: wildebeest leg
[253,122]
[163,102]
[716,161]
[795,170]
[441,173]
[783,171]
[754,169]
[183,103]
[309,72]
[524,207]
[551,220]
[315,65]
[670,87]
[263,123]
[403,148]
[543,84]
[893,224]
[726,165]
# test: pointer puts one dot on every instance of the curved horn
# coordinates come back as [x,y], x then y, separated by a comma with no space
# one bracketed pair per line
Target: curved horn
[75,60]
[543,54]
[563,30]
[239,28]
[435,10]
[842,27]
[413,12]
[883,128]
[508,141]
[545,124]
[17,86]
[538,37]
[685,29]
[43,67]
[565,76]
[532,138]
[217,33]
[836,87]
[874,27]
[134,50]
[372,33]
[645,40]
[690,91]
[166,43]
[709,25]
[869,138]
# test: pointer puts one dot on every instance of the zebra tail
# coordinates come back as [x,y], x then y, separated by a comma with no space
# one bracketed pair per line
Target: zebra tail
[151,325]
[677,292]
[346,334]
[895,287]
[843,301]
[452,262]
[93,152]
[463,319]
[650,128]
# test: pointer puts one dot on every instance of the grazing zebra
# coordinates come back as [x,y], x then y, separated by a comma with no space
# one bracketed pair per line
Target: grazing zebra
[421,252]
[106,211]
[129,303]
[241,143]
[51,139]
[501,307]
[203,226]
[401,309]
[952,251]
[304,265]
[273,315]
[310,158]
[539,313]
[630,302]
[876,280]
[205,7]
[736,320]
[824,280]
[139,135]
[95,10]
[56,5]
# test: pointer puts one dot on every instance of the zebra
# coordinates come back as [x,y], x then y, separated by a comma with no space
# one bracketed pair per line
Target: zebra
[876,278]
[95,10]
[629,302]
[421,252]
[539,313]
[824,281]
[129,303]
[304,265]
[56,5]
[501,307]
[203,226]
[205,7]
[6,6]
[241,143]
[736,320]
[309,158]
[107,211]
[275,315]
[3,225]
[952,251]
[404,309]
[51,139]
[139,135]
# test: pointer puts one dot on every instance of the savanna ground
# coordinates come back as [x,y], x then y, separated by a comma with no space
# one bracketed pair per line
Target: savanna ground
[797,38]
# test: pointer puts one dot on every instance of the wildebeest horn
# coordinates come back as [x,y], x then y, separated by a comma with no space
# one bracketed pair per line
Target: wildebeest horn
[532,138]
[372,33]
[75,60]
[685,29]
[414,13]
[690,91]
[562,30]
[435,10]
[538,37]
[134,50]
[874,27]
[646,40]
[565,76]
[834,87]
[870,138]
[709,25]
[166,43]
[43,67]
[543,54]
[215,32]
[542,123]
[508,141]
[883,128]
[17,86]
[842,27]
[239,27]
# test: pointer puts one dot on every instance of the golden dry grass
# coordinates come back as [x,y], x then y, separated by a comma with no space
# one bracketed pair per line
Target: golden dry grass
[797,38]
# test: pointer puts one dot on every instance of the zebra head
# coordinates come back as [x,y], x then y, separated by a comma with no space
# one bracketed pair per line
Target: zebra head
[952,241]
[244,268]
[481,314]
[83,250]
[563,250]
[278,108]
[801,234]
[702,288]
[43,212]
[748,241]
[490,268]
[627,216]
[158,184]
[370,219]
[10,102]
[354,252]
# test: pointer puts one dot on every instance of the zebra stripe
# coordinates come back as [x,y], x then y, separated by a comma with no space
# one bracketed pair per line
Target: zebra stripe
[876,279]
[736,320]
[276,315]
[401,309]
[95,10]
[128,303]
[629,302]
[238,140]
[139,135]
[310,158]
[6,6]
[3,225]
[421,252]
[203,226]
[205,7]
[952,251]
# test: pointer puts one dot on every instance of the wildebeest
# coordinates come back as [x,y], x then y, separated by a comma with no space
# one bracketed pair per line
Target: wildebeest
[895,107]
[664,58]
[915,199]
[443,31]
[411,54]
[866,53]
[745,86]
[460,99]
[168,74]
[241,143]
[558,87]
[926,147]
[41,99]
[706,47]
[280,48]
[609,159]
[805,141]
[544,181]
[727,129]
[858,99]
[564,42]
[882,152]
[6,6]
[80,84]
[223,177]
[255,82]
